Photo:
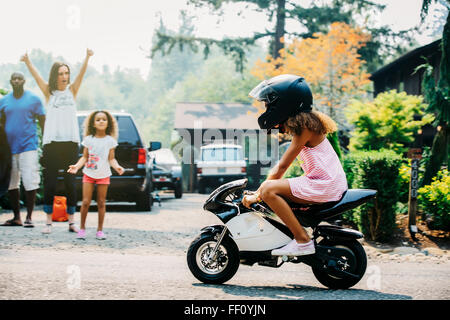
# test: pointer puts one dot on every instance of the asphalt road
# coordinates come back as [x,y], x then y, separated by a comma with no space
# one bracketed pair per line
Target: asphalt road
[144,258]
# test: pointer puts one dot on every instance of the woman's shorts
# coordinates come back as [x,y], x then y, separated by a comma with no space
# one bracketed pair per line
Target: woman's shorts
[87,179]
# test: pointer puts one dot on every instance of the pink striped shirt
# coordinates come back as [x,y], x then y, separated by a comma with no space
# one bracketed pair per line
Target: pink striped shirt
[324,179]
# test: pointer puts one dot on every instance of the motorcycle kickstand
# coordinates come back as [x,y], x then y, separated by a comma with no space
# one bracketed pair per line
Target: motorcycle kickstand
[222,234]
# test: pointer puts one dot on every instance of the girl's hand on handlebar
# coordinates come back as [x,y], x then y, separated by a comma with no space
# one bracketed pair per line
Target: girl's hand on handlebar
[249,199]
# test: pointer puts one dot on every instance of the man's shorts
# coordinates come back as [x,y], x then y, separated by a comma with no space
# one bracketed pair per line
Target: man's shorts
[25,165]
[87,179]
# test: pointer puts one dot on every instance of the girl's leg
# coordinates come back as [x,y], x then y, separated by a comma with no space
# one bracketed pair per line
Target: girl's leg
[102,190]
[274,193]
[88,189]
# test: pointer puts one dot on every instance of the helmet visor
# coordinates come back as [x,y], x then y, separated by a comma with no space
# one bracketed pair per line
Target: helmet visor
[264,92]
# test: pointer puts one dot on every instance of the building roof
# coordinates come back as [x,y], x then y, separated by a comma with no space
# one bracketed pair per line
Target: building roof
[417,53]
[215,116]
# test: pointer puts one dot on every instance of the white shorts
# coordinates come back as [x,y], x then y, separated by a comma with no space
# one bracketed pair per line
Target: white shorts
[25,164]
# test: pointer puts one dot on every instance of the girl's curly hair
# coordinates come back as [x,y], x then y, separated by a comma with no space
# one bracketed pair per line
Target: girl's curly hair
[111,129]
[315,121]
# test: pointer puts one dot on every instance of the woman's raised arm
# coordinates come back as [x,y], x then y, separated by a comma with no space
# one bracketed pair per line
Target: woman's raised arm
[77,82]
[42,84]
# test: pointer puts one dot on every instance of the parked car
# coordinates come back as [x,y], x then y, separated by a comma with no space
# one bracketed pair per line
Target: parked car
[218,164]
[166,171]
[136,183]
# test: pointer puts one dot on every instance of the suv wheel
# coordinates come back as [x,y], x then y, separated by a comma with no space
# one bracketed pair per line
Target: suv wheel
[144,201]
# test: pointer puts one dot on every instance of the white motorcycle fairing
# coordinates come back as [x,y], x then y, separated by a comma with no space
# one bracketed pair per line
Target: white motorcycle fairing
[252,232]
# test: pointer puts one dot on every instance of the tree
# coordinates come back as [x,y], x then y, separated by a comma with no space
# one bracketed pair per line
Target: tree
[313,19]
[387,122]
[438,98]
[329,62]
[215,81]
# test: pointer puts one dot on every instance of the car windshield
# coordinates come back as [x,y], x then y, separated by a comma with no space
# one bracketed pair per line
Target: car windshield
[222,154]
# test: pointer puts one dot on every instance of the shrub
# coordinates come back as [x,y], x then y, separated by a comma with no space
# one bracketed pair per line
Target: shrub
[378,170]
[386,122]
[434,200]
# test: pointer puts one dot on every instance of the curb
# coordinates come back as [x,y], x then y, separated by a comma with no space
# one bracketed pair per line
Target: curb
[408,254]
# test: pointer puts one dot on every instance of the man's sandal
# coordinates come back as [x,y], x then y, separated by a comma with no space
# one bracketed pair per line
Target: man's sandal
[11,223]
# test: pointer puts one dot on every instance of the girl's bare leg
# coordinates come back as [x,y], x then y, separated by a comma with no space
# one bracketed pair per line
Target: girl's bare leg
[102,190]
[274,193]
[88,189]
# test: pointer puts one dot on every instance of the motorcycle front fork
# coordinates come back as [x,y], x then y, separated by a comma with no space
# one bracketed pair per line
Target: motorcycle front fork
[219,238]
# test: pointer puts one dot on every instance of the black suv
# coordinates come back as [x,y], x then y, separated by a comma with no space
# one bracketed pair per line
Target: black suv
[135,185]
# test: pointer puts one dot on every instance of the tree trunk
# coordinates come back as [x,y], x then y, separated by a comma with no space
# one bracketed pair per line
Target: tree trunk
[279,28]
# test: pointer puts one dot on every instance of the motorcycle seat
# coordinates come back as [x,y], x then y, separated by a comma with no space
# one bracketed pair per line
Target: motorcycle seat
[313,214]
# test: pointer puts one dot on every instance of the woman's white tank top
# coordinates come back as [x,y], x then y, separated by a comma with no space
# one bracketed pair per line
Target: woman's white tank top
[61,122]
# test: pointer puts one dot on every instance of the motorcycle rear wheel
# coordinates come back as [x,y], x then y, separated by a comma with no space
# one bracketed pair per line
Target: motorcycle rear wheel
[354,261]
[218,270]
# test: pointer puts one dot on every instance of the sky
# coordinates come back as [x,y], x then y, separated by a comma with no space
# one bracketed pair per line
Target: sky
[120,31]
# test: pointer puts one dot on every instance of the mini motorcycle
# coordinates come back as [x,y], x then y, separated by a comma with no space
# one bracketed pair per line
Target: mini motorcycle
[249,235]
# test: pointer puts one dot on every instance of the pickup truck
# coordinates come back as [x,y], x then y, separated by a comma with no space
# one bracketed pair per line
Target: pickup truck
[218,164]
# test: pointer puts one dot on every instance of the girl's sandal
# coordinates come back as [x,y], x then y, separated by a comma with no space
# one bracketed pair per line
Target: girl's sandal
[72,227]
[47,229]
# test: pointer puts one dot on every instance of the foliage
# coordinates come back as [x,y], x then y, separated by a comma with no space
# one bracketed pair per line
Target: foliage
[313,18]
[377,170]
[438,98]
[294,170]
[329,62]
[434,200]
[386,122]
[215,81]
[3,92]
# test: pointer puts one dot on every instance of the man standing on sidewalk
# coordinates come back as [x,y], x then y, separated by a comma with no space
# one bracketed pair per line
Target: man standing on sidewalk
[21,108]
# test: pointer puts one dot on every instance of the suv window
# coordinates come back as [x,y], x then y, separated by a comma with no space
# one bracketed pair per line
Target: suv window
[221,154]
[128,133]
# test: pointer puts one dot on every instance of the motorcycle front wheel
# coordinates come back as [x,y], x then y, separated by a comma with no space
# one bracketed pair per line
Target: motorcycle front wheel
[353,261]
[215,269]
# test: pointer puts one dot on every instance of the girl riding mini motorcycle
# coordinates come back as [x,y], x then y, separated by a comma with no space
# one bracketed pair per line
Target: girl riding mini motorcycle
[267,226]
[288,101]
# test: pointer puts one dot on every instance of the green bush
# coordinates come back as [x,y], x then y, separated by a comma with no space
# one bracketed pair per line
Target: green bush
[434,200]
[386,122]
[378,170]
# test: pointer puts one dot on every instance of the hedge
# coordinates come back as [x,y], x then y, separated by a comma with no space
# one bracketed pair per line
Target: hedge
[378,170]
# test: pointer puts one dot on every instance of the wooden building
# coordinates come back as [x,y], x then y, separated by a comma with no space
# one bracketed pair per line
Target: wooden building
[401,75]
[199,124]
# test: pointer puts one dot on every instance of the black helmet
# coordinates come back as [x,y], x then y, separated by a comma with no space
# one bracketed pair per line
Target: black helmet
[285,96]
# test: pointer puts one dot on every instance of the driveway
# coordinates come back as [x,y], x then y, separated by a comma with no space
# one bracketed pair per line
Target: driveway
[144,257]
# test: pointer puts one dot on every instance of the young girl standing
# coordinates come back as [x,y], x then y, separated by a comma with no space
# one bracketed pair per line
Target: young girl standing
[288,101]
[100,141]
